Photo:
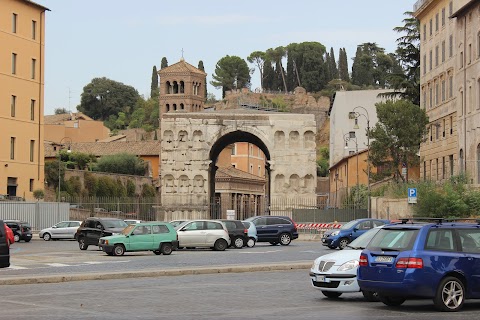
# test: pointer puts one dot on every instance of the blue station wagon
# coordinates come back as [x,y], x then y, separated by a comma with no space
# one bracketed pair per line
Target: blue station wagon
[440,261]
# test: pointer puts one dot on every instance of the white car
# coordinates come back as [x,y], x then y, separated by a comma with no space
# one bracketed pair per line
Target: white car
[336,273]
[203,233]
[62,230]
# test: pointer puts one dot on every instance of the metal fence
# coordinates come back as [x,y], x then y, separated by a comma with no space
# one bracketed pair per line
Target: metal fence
[40,215]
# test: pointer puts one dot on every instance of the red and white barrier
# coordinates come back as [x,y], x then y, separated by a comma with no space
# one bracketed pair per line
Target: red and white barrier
[318,226]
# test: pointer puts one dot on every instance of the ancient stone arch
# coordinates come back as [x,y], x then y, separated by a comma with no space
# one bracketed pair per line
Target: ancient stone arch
[192,142]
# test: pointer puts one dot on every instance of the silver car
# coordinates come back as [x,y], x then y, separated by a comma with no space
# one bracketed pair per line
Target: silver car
[62,230]
[203,233]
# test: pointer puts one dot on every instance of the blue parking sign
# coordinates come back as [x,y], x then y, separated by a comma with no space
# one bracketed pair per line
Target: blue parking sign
[412,195]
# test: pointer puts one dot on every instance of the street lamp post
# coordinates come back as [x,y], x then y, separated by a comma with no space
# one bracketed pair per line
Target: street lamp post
[60,147]
[355,115]
[351,137]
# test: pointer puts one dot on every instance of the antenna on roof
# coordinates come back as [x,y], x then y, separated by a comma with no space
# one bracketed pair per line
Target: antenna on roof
[182,56]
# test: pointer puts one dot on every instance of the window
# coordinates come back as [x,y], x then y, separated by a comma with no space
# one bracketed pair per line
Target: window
[12,148]
[424,64]
[34,64]
[440,240]
[75,124]
[424,170]
[431,27]
[250,150]
[450,46]
[437,132]
[13,105]
[424,32]
[32,110]
[443,167]
[451,125]
[461,59]
[443,17]
[461,102]
[431,96]
[31,185]
[14,63]
[443,90]
[259,171]
[424,102]
[451,164]
[234,149]
[437,93]
[469,53]
[32,150]
[450,8]
[450,86]
[469,239]
[443,51]
[443,127]
[431,59]
[436,56]
[251,169]
[14,23]
[436,169]
[34,29]
[436,22]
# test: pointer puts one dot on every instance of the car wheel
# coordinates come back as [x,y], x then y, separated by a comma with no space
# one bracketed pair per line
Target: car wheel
[47,236]
[391,301]
[343,243]
[220,245]
[166,248]
[370,296]
[157,252]
[118,250]
[109,253]
[331,294]
[251,242]
[450,295]
[238,243]
[16,238]
[27,240]
[82,245]
[285,239]
[273,243]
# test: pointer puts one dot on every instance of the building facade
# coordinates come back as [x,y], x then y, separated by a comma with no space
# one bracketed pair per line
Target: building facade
[439,154]
[74,127]
[22,52]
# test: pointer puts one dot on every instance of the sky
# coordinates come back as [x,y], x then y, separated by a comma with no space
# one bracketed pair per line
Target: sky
[122,40]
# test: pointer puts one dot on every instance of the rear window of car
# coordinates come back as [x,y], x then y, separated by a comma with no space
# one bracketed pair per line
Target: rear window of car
[214,225]
[160,229]
[393,240]
[440,240]
[469,240]
[274,221]
[246,224]
[114,224]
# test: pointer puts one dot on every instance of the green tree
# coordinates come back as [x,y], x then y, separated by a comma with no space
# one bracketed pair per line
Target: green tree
[362,68]
[268,75]
[231,72]
[201,67]
[122,163]
[38,194]
[148,191]
[164,63]
[102,98]
[323,162]
[60,111]
[313,67]
[343,65]
[130,188]
[91,184]
[276,55]
[333,65]
[154,88]
[258,59]
[397,135]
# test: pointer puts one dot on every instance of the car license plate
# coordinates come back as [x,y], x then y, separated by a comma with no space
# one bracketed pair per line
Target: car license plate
[320,278]
[383,259]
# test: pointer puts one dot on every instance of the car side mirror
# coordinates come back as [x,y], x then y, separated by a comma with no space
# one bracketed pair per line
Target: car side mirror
[54,227]
[355,229]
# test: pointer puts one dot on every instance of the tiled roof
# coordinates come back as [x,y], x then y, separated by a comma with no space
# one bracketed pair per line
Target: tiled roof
[60,118]
[139,148]
[181,67]
[138,134]
[231,172]
[118,137]
[36,5]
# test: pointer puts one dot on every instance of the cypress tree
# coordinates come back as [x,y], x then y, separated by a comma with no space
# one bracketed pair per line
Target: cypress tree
[333,65]
[164,63]
[201,67]
[290,73]
[343,65]
[268,75]
[154,89]
[328,65]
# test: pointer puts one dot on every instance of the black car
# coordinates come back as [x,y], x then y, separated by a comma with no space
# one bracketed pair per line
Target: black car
[92,229]
[237,232]
[275,229]
[4,248]
[21,230]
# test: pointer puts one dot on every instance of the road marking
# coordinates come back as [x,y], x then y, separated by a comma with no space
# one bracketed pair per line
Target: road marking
[272,251]
[17,267]
[57,265]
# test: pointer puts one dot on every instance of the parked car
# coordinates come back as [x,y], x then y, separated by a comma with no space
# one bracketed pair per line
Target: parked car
[92,229]
[4,247]
[203,233]
[438,260]
[237,232]
[10,236]
[159,237]
[130,221]
[62,230]
[350,231]
[21,230]
[336,273]
[252,233]
[176,223]
[275,229]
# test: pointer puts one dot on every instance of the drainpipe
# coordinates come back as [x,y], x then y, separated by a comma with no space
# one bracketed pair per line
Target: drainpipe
[465,94]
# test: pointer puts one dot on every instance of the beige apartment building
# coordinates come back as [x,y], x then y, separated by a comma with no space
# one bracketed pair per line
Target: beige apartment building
[22,57]
[450,87]
[74,127]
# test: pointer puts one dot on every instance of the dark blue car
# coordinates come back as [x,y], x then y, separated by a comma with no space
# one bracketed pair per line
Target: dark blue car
[438,260]
[349,232]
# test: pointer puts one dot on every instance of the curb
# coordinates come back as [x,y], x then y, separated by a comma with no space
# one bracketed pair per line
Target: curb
[155,273]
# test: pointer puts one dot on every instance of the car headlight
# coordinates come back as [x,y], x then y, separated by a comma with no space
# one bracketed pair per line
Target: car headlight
[349,265]
[115,233]
[335,233]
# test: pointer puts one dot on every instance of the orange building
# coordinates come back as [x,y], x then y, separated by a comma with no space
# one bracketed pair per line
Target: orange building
[22,53]
[243,156]
[77,127]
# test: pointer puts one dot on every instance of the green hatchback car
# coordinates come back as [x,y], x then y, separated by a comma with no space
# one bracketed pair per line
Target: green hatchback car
[159,237]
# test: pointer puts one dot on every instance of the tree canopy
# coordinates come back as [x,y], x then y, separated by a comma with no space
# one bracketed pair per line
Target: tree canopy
[397,135]
[102,98]
[231,72]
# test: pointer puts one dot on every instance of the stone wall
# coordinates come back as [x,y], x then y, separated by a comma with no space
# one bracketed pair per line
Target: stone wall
[392,209]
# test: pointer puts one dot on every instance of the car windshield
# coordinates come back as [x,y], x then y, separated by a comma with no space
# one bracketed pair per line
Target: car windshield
[362,241]
[114,224]
[393,240]
[181,225]
[348,225]
[128,229]
[246,224]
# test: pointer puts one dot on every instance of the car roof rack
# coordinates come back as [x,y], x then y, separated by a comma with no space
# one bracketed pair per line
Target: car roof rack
[436,220]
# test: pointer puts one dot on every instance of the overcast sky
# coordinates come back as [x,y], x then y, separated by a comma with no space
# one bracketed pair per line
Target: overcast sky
[122,40]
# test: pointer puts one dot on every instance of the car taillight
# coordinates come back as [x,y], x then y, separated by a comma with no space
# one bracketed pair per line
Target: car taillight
[412,263]
[245,231]
[294,225]
[363,261]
